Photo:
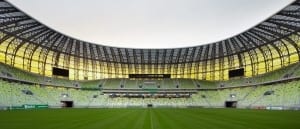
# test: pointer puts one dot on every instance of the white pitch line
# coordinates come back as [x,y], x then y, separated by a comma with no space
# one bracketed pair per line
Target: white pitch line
[152,127]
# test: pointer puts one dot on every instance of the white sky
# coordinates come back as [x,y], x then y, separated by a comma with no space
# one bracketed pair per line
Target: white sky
[151,23]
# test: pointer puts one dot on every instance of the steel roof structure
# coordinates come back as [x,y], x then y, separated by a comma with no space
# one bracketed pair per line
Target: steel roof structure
[22,38]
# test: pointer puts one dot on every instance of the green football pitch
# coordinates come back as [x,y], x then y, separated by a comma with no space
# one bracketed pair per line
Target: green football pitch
[155,118]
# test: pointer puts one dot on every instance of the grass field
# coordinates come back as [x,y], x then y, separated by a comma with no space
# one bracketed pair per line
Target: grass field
[149,119]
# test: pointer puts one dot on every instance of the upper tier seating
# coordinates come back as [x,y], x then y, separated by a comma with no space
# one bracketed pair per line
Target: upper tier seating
[283,73]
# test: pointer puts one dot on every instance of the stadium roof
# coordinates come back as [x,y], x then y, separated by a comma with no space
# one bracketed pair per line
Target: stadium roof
[151,23]
[17,24]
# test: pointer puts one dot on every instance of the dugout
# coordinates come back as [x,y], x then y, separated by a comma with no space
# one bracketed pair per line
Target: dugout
[230,104]
[67,104]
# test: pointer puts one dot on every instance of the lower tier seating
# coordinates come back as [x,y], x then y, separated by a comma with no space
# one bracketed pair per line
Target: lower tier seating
[281,95]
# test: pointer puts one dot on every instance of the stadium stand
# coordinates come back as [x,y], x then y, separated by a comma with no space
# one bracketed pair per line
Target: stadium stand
[103,76]
[284,95]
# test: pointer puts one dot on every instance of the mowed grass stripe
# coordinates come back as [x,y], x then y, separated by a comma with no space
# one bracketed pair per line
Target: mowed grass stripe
[209,119]
[164,118]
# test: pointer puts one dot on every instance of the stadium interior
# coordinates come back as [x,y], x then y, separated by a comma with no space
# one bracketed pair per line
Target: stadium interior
[50,80]
[257,69]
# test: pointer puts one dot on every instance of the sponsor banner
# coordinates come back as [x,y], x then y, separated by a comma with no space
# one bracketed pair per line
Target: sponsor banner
[30,106]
